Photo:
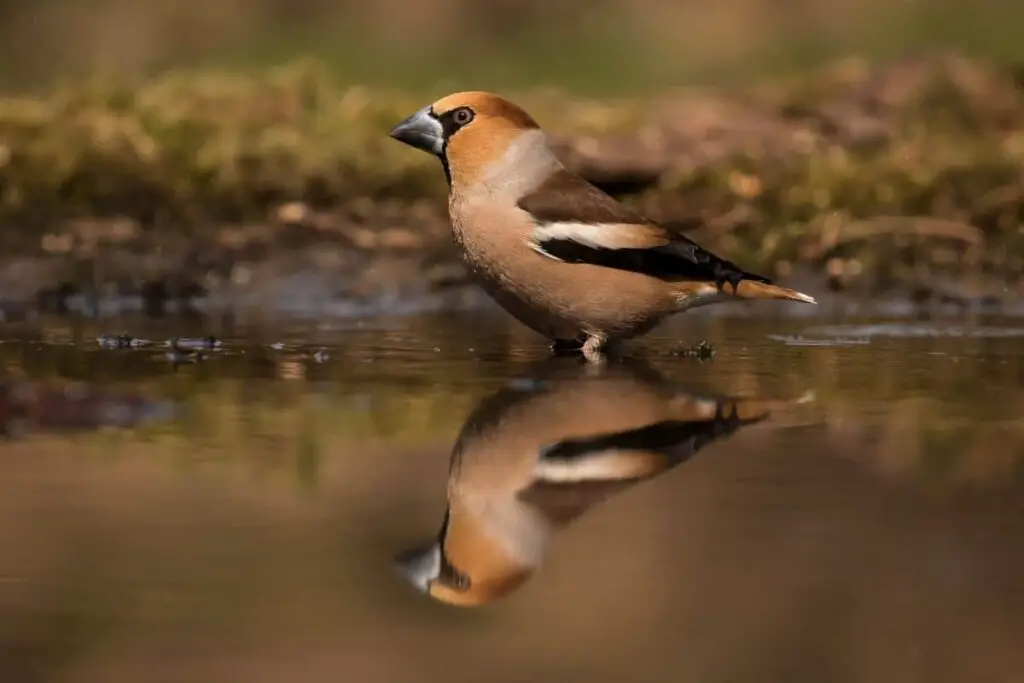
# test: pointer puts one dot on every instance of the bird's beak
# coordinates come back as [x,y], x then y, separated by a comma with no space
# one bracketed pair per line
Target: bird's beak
[419,566]
[422,130]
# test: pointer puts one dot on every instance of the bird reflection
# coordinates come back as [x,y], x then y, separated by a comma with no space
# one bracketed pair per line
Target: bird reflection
[537,454]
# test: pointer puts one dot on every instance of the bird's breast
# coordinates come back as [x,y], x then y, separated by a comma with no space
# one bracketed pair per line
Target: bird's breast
[557,299]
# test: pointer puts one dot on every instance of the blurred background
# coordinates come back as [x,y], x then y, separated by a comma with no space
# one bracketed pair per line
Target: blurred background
[594,45]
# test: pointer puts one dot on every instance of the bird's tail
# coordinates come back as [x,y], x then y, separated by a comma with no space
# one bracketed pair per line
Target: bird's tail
[752,289]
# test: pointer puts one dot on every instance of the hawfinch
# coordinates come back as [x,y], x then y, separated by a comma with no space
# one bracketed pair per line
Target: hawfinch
[537,454]
[560,255]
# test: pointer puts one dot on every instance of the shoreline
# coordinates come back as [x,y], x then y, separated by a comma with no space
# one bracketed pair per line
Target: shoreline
[903,177]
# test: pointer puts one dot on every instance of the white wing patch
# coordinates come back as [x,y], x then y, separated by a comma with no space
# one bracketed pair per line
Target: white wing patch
[591,234]
[539,248]
[595,235]
[610,465]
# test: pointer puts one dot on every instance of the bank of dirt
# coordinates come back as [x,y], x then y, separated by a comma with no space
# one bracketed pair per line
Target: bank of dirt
[905,175]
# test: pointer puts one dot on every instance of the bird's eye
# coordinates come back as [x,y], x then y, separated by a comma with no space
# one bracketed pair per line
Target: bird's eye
[462,116]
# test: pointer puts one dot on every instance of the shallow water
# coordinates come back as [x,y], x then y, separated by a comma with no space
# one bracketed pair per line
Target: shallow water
[236,516]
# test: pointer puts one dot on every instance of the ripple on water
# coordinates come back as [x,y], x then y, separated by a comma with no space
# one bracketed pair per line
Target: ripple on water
[860,335]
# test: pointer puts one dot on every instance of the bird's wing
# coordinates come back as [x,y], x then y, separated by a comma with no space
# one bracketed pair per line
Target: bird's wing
[576,222]
[628,454]
[573,474]
[563,503]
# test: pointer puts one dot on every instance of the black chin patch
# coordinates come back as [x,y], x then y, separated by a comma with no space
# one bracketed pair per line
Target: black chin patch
[443,156]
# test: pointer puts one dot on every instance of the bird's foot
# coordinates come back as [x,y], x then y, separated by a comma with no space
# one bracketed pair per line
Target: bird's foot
[593,349]
[702,351]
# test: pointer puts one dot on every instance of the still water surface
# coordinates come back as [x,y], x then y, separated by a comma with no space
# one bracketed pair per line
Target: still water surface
[237,517]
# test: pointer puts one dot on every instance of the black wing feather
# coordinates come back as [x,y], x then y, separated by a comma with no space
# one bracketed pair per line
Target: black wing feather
[675,440]
[565,197]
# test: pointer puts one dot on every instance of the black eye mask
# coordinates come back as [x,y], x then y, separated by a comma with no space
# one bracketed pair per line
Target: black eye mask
[451,123]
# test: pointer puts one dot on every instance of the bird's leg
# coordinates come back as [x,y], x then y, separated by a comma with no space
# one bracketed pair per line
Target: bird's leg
[593,348]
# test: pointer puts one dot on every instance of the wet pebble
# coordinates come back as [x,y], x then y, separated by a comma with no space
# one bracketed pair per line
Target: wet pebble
[120,341]
[194,344]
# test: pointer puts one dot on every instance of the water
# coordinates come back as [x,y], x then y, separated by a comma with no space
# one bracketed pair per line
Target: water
[237,516]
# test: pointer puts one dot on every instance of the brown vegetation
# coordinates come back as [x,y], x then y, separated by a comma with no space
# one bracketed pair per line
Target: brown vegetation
[874,176]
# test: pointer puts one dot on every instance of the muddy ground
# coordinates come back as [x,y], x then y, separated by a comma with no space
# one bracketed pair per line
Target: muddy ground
[287,194]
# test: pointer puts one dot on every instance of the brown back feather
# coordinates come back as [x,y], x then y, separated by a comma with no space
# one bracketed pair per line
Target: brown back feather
[562,504]
[566,197]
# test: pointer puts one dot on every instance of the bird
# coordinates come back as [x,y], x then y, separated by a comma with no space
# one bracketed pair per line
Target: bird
[535,455]
[560,255]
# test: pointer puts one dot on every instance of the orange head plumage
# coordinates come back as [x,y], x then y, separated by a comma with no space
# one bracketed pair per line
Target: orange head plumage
[471,132]
[466,566]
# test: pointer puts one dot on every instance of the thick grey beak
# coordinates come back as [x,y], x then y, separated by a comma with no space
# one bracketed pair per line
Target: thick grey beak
[419,566]
[422,130]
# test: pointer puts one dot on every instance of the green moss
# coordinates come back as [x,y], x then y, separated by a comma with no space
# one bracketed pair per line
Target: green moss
[191,147]
[224,145]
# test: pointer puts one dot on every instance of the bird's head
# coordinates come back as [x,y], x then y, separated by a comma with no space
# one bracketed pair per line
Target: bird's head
[477,136]
[463,567]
